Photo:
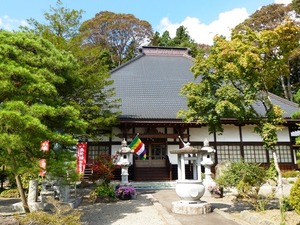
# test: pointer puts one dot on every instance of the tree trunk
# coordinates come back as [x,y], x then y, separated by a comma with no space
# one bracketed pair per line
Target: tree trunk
[279,178]
[283,87]
[22,194]
[289,87]
[18,181]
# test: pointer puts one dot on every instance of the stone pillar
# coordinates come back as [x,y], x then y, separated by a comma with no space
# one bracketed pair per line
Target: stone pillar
[182,163]
[64,193]
[199,167]
[33,191]
[124,174]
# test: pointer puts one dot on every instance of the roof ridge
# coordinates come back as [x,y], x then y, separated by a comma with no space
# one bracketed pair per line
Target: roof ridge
[128,62]
[286,101]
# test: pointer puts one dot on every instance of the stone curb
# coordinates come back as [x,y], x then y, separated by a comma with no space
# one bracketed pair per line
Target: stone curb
[169,219]
[230,217]
[252,219]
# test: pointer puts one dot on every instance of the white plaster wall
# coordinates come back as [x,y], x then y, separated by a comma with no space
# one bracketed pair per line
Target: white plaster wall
[200,134]
[172,157]
[231,133]
[248,134]
[283,135]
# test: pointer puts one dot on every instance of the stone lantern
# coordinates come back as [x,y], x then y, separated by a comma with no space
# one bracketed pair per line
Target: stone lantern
[207,162]
[189,190]
[124,160]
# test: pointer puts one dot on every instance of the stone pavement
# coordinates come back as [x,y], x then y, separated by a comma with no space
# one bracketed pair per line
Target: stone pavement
[153,207]
[219,215]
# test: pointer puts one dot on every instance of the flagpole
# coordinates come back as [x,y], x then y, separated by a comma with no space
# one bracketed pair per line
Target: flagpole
[137,134]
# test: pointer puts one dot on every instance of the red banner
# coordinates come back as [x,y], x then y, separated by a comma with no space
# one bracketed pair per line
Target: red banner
[81,157]
[45,147]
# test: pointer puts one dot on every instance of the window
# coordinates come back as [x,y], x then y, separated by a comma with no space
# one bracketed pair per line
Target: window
[229,152]
[155,151]
[255,154]
[283,154]
[95,150]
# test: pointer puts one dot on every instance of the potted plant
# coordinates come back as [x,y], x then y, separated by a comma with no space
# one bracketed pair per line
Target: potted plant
[215,190]
[125,192]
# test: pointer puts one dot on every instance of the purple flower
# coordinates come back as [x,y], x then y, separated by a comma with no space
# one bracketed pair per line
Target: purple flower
[125,190]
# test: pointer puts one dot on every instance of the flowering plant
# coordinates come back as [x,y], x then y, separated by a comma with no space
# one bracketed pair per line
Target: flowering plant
[214,189]
[125,191]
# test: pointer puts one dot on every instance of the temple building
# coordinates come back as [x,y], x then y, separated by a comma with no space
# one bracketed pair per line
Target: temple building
[149,87]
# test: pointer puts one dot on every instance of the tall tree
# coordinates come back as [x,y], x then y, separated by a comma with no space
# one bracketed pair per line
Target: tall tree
[181,39]
[33,75]
[63,24]
[236,75]
[267,17]
[296,6]
[270,17]
[92,89]
[120,33]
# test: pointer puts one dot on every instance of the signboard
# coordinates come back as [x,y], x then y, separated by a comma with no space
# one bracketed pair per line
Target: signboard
[45,147]
[81,157]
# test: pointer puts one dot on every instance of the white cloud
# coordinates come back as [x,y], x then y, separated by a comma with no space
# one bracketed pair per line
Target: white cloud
[204,33]
[286,2]
[10,24]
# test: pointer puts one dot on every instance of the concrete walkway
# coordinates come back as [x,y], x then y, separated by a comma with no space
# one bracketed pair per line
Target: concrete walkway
[153,207]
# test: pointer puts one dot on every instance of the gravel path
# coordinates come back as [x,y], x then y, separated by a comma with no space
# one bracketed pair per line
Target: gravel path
[129,212]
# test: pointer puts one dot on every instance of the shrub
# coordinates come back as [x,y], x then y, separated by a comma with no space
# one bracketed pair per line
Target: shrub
[294,198]
[60,214]
[10,193]
[104,193]
[103,167]
[247,178]
[26,177]
[292,173]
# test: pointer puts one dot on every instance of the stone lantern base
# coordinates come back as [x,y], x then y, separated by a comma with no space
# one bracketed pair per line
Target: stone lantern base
[194,208]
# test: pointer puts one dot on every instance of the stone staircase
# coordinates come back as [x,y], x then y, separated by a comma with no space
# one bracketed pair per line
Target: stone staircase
[152,185]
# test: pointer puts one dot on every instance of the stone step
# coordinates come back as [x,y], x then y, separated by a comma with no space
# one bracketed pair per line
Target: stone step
[155,185]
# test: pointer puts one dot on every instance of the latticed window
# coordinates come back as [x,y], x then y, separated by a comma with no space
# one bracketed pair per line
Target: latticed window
[229,152]
[96,150]
[283,154]
[255,154]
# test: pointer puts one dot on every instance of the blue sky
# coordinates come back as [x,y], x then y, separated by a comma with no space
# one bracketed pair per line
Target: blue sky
[202,18]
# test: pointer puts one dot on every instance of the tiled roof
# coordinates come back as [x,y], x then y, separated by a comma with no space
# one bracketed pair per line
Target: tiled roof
[288,107]
[149,85]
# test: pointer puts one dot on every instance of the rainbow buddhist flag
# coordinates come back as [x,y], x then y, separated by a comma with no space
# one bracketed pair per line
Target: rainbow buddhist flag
[138,146]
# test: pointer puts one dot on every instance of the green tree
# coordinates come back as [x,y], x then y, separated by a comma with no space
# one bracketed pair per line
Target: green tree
[272,17]
[181,39]
[155,40]
[267,17]
[63,24]
[90,93]
[236,75]
[296,6]
[33,76]
[120,33]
